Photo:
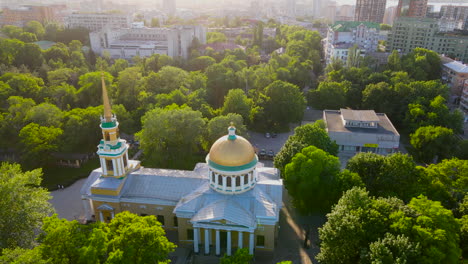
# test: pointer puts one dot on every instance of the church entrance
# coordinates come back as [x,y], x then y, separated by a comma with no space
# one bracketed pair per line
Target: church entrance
[223,238]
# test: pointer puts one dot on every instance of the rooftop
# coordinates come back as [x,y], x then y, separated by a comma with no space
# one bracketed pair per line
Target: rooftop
[359,115]
[457,66]
[345,26]
[335,124]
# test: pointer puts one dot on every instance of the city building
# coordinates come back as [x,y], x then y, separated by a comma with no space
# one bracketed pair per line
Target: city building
[21,15]
[464,100]
[409,33]
[390,14]
[229,202]
[455,75]
[344,34]
[97,21]
[345,13]
[169,6]
[457,14]
[126,43]
[361,131]
[370,10]
[411,8]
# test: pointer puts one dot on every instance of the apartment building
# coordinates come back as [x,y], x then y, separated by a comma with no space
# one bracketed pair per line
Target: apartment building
[97,21]
[409,33]
[126,43]
[344,34]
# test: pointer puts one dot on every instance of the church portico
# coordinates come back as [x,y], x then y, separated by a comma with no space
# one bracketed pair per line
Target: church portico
[234,238]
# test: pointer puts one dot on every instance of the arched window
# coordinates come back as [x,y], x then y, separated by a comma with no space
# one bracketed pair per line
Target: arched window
[238,181]
[220,179]
[213,177]
[246,178]
[228,181]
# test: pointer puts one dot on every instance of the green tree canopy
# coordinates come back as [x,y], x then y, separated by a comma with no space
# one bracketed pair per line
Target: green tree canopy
[237,102]
[36,28]
[312,179]
[170,135]
[364,229]
[217,127]
[128,238]
[430,142]
[38,142]
[215,37]
[304,136]
[285,104]
[329,95]
[387,176]
[23,205]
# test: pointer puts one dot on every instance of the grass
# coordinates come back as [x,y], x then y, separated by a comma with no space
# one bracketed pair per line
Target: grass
[67,176]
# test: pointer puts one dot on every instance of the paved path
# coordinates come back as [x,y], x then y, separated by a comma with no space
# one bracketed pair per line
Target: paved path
[67,202]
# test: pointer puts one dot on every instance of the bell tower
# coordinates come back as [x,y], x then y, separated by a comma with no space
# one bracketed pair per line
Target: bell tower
[112,150]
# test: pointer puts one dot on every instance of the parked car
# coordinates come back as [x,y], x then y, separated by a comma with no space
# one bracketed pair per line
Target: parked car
[271,154]
[273,135]
[267,135]
[262,153]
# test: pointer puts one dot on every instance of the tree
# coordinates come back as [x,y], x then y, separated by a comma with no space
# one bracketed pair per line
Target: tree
[433,113]
[38,142]
[364,229]
[433,143]
[304,136]
[394,61]
[168,79]
[23,205]
[30,55]
[45,114]
[215,37]
[285,104]
[387,176]
[422,64]
[155,22]
[237,102]
[220,79]
[128,238]
[36,28]
[241,256]
[81,129]
[380,97]
[170,135]
[201,63]
[90,92]
[128,88]
[22,256]
[329,95]
[447,182]
[25,85]
[312,180]
[217,127]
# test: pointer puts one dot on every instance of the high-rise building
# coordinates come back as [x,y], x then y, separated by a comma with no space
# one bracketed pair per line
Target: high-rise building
[370,10]
[169,6]
[390,14]
[411,8]
[456,14]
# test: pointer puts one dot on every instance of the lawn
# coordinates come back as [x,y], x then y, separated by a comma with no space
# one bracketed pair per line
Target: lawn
[67,176]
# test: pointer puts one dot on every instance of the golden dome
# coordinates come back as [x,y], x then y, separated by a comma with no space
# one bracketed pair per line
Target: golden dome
[232,150]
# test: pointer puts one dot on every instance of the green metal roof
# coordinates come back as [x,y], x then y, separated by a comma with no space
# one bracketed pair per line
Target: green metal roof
[233,168]
[345,26]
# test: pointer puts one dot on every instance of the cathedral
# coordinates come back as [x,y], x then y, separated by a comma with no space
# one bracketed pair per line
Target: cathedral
[232,201]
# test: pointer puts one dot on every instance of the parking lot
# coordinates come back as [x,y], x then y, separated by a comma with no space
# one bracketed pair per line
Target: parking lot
[259,141]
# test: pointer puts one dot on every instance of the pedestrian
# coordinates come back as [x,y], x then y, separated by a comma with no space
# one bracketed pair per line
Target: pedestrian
[58,186]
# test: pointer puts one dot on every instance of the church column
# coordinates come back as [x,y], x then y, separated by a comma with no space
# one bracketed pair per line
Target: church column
[233,183]
[216,178]
[239,240]
[229,243]
[195,240]
[251,243]
[86,208]
[224,183]
[114,167]
[218,246]
[101,217]
[207,241]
